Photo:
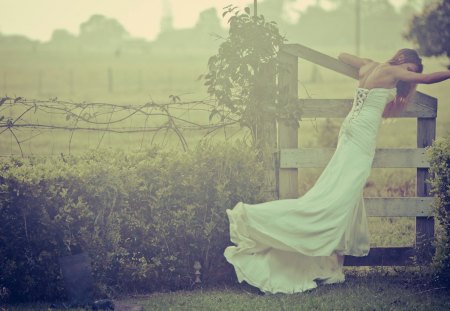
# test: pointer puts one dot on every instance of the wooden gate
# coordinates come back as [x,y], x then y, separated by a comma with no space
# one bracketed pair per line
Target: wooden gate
[290,157]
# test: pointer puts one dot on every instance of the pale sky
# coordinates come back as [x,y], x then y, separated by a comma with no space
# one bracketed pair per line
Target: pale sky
[141,18]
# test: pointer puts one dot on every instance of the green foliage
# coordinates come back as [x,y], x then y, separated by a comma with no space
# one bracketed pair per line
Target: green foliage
[430,29]
[439,154]
[143,217]
[241,76]
[102,30]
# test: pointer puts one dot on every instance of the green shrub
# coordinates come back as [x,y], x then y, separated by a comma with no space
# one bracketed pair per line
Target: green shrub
[143,217]
[439,154]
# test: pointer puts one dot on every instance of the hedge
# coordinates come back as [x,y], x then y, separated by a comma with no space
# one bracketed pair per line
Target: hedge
[439,155]
[143,217]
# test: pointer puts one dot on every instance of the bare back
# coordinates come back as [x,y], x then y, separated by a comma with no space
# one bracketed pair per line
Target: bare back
[374,75]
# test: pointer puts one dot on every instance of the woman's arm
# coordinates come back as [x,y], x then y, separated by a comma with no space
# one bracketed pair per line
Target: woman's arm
[399,73]
[354,61]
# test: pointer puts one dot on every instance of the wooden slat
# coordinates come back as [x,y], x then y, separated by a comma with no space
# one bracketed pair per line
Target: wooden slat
[426,133]
[384,157]
[422,106]
[324,108]
[399,207]
[320,59]
[383,256]
[287,133]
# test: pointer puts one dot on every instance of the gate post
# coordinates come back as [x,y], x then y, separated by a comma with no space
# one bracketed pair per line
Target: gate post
[426,133]
[287,136]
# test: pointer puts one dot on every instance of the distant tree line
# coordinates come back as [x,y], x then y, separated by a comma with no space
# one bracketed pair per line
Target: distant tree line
[381,27]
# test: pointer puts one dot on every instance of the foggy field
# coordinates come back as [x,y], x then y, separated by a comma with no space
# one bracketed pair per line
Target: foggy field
[139,78]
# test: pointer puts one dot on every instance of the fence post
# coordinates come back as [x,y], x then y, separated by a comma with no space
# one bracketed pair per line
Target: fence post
[39,86]
[71,81]
[264,128]
[287,131]
[5,83]
[139,78]
[110,80]
[426,133]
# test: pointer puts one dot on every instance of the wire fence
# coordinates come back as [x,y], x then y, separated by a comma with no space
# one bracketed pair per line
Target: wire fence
[24,120]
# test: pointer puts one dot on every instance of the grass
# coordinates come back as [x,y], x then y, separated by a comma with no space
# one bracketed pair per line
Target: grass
[372,291]
[354,294]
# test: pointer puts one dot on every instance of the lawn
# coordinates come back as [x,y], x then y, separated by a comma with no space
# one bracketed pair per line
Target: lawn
[399,290]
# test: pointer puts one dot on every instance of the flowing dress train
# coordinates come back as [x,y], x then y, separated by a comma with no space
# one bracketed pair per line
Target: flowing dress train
[285,246]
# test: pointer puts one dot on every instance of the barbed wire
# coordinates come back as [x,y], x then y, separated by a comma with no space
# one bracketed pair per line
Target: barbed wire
[108,117]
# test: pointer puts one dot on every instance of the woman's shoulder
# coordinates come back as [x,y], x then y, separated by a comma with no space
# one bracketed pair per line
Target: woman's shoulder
[374,68]
[376,73]
[367,68]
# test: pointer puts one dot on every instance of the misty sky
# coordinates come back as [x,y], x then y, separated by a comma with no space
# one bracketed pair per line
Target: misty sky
[141,18]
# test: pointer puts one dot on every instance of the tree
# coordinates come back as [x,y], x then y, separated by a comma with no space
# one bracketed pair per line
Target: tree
[62,36]
[100,30]
[208,21]
[430,29]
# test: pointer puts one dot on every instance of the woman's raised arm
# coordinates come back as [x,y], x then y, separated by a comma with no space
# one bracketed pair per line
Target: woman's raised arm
[402,74]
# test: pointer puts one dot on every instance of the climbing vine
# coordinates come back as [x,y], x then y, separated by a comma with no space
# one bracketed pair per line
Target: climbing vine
[242,75]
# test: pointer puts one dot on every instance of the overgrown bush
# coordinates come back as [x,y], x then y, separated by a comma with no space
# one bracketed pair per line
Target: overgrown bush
[439,154]
[241,76]
[143,217]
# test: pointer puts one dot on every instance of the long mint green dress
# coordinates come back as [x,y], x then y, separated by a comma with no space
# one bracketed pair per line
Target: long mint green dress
[285,246]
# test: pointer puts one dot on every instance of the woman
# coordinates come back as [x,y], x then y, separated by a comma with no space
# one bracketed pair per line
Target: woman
[286,246]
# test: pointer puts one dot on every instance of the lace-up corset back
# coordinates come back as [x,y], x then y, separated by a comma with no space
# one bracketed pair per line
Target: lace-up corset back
[363,121]
[358,101]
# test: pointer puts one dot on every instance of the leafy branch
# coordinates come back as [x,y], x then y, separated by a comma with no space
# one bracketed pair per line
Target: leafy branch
[242,75]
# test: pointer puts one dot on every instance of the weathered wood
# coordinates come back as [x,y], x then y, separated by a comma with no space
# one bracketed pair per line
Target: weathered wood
[383,256]
[384,157]
[288,177]
[426,133]
[265,130]
[320,59]
[324,108]
[287,133]
[422,106]
[399,207]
